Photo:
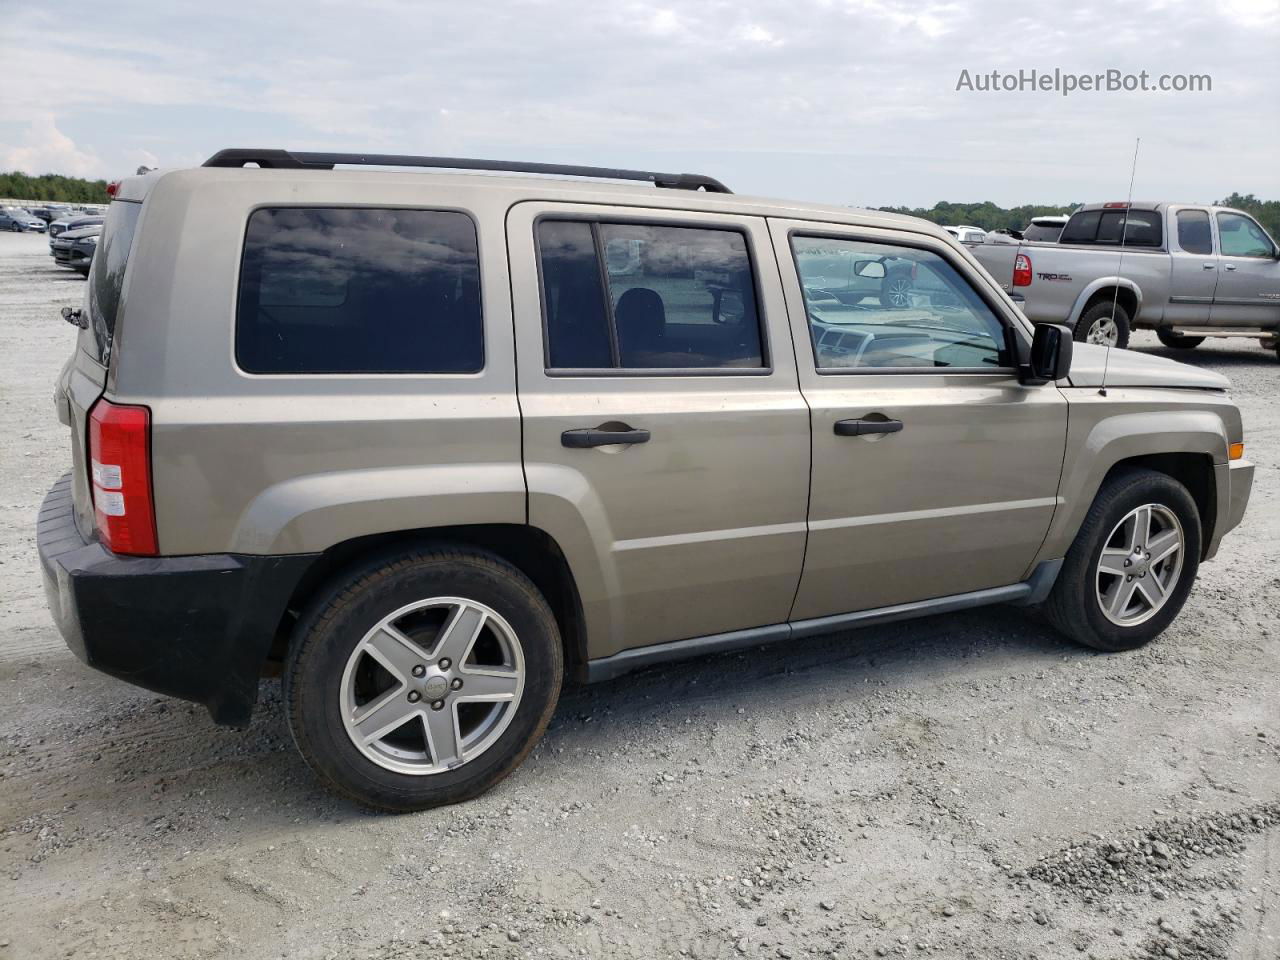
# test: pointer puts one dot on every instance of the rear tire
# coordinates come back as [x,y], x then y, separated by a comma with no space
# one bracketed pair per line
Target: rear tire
[1099,325]
[1177,341]
[423,678]
[1088,603]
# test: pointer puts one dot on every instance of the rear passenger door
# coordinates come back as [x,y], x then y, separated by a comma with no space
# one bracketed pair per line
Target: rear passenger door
[666,443]
[935,472]
[1194,269]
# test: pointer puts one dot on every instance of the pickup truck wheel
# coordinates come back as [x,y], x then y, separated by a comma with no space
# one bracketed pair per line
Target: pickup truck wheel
[1099,324]
[423,678]
[1177,341]
[1132,564]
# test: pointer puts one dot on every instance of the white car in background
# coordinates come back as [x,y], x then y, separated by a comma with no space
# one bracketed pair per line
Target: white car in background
[968,234]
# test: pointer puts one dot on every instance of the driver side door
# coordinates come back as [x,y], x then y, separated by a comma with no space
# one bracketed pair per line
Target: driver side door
[935,472]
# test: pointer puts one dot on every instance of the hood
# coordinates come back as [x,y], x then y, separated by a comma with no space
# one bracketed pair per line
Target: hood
[1128,368]
[81,233]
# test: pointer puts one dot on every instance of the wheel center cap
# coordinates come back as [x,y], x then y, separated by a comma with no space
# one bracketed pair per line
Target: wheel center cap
[1140,564]
[435,687]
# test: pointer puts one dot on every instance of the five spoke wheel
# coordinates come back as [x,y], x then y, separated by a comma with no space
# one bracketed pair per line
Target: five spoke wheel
[432,685]
[1139,565]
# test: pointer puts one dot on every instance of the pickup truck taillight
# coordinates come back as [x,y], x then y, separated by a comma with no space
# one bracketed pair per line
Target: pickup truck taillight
[1022,271]
[120,462]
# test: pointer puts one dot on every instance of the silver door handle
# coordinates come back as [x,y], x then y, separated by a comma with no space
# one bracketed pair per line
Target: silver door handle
[1209,266]
[1230,266]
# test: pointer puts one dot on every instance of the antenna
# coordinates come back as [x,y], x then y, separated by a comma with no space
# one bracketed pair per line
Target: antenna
[1124,231]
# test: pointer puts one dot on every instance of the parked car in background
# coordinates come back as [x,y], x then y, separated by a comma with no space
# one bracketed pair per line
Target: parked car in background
[886,281]
[50,212]
[19,220]
[1004,235]
[968,234]
[1186,271]
[73,222]
[431,444]
[1044,229]
[75,248]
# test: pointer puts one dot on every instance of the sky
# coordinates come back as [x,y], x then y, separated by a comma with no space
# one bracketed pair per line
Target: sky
[837,101]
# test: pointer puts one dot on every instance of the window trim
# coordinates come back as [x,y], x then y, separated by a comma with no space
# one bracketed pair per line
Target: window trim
[366,374]
[943,253]
[595,221]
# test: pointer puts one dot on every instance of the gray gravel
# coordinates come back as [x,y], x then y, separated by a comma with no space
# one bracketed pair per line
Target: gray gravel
[967,786]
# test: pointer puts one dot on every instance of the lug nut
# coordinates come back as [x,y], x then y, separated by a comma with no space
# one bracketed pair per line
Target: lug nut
[419,670]
[1128,563]
[437,705]
[457,683]
[445,663]
[414,696]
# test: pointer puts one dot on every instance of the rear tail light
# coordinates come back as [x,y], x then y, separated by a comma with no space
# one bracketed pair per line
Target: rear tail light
[120,461]
[1022,271]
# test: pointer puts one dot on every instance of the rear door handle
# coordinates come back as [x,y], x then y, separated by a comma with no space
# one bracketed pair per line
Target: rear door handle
[592,437]
[859,428]
[1209,266]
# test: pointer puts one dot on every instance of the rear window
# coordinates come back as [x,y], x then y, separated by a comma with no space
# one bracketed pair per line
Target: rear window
[342,290]
[1138,228]
[106,276]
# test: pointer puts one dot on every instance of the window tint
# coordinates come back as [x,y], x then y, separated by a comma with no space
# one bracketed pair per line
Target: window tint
[1241,237]
[878,305]
[635,296]
[335,290]
[573,298]
[1138,228]
[1193,232]
[106,275]
[1081,228]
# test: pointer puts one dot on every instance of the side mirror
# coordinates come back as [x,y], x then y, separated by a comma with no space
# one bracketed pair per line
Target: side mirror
[1050,354]
[871,269]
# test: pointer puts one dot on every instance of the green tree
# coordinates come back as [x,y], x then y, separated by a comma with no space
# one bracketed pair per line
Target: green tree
[52,188]
[1266,212]
[987,215]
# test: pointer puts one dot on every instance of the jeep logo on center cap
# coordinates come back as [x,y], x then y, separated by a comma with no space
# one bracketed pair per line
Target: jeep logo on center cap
[435,687]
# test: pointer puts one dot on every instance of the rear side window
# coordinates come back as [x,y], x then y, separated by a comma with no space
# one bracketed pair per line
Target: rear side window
[344,290]
[106,276]
[646,297]
[1193,232]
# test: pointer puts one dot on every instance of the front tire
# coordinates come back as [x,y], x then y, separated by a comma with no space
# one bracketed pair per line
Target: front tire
[1132,564]
[423,678]
[1177,341]
[1104,323]
[895,291]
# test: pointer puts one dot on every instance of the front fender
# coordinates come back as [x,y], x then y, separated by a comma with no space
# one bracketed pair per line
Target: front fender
[1096,444]
[1103,283]
[309,514]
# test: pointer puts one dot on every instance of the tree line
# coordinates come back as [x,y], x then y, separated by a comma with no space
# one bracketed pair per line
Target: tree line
[989,216]
[52,188]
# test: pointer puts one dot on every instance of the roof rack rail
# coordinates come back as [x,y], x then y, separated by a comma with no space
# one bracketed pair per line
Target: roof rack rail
[291,160]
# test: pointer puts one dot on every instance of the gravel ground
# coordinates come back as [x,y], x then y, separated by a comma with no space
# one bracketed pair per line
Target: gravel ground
[963,786]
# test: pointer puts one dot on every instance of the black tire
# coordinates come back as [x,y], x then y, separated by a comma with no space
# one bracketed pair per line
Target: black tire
[1073,606]
[1177,341]
[895,290]
[15,228]
[337,621]
[1099,311]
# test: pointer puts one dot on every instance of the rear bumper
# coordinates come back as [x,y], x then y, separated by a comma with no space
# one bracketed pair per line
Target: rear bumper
[198,628]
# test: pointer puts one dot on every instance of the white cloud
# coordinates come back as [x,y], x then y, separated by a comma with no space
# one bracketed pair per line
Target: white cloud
[46,149]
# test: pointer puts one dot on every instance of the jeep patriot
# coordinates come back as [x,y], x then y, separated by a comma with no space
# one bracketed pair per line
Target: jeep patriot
[431,443]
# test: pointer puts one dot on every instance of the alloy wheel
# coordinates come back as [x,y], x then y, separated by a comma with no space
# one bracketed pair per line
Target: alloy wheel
[1104,331]
[1140,564]
[432,685]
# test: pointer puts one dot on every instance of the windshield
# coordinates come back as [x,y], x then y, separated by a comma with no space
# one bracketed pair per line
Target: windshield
[106,276]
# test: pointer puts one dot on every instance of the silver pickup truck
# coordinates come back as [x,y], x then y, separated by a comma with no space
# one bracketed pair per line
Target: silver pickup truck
[1187,271]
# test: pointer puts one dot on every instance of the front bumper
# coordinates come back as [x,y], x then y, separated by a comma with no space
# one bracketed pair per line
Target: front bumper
[1236,478]
[198,628]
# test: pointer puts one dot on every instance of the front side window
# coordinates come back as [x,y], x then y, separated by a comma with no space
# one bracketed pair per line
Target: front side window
[1193,232]
[647,297]
[874,305]
[1241,237]
[354,290]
